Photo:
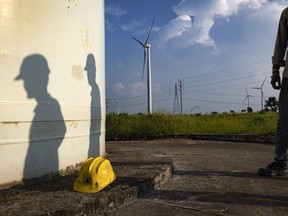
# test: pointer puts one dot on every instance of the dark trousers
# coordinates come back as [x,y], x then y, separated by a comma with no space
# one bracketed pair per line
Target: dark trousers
[282,128]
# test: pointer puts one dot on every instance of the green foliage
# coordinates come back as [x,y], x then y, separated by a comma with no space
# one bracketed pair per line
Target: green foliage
[249,109]
[141,126]
[271,104]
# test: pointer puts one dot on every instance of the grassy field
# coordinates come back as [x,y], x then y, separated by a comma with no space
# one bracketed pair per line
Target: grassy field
[139,126]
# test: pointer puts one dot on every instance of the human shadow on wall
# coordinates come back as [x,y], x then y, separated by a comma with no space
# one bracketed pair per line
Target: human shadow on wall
[47,128]
[95,108]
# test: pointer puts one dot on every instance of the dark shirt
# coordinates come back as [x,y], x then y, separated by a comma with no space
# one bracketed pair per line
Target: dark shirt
[281,42]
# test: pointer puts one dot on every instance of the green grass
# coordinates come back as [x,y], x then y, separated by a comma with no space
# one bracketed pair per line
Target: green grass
[138,126]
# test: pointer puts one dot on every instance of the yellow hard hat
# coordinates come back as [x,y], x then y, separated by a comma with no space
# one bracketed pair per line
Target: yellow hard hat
[94,175]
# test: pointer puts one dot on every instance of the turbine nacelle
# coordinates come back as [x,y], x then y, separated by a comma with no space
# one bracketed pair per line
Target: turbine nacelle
[147,46]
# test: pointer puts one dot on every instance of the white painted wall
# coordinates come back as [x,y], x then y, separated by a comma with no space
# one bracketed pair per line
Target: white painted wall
[45,113]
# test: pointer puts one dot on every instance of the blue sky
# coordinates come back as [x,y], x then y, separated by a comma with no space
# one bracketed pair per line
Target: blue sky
[217,47]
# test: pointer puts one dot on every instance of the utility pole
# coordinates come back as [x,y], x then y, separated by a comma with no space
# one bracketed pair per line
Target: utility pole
[118,109]
[107,103]
[181,85]
[176,101]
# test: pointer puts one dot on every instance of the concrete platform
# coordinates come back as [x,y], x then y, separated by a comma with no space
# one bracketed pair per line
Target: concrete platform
[209,177]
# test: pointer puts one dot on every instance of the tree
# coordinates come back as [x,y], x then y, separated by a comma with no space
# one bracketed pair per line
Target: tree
[271,104]
[249,109]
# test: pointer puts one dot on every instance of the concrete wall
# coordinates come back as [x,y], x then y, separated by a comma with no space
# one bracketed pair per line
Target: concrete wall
[52,91]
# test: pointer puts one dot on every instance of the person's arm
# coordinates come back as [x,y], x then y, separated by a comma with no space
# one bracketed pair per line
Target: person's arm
[280,49]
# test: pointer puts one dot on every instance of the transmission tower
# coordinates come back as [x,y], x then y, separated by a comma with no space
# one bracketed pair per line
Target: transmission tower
[176,101]
[181,85]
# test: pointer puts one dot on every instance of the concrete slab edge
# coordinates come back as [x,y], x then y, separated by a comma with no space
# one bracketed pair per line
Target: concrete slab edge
[235,138]
[117,196]
[260,138]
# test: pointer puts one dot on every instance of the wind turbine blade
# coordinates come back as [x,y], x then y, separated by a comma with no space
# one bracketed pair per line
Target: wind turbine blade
[263,82]
[255,88]
[150,31]
[245,98]
[144,64]
[138,41]
[246,90]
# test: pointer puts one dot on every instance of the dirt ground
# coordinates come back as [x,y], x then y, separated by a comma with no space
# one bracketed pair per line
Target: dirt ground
[209,177]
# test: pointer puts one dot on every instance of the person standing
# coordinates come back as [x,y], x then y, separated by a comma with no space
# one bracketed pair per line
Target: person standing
[95,108]
[279,165]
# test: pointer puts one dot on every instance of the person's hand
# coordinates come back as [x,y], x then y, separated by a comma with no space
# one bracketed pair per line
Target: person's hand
[276,81]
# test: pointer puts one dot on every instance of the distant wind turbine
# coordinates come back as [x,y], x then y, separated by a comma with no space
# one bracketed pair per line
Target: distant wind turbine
[194,109]
[262,94]
[147,47]
[247,97]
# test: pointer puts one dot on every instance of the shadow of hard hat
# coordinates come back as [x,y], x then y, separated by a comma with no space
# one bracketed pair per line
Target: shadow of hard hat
[33,66]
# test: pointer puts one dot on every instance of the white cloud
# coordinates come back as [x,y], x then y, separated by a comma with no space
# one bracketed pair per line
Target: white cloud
[227,7]
[109,26]
[131,26]
[114,10]
[119,64]
[270,12]
[118,87]
[131,89]
[181,27]
[136,88]
[175,28]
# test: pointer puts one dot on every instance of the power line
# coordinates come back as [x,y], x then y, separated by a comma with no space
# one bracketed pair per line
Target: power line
[218,102]
[195,83]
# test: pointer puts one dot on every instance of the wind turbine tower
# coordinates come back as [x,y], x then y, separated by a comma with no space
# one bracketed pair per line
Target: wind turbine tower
[147,47]
[247,97]
[262,94]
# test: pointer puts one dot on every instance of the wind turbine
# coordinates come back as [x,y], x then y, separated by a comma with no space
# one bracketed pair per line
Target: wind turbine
[247,97]
[194,109]
[147,47]
[262,94]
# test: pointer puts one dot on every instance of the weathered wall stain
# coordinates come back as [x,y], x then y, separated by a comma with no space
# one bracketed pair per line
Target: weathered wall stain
[3,50]
[72,3]
[87,39]
[77,72]
[72,123]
